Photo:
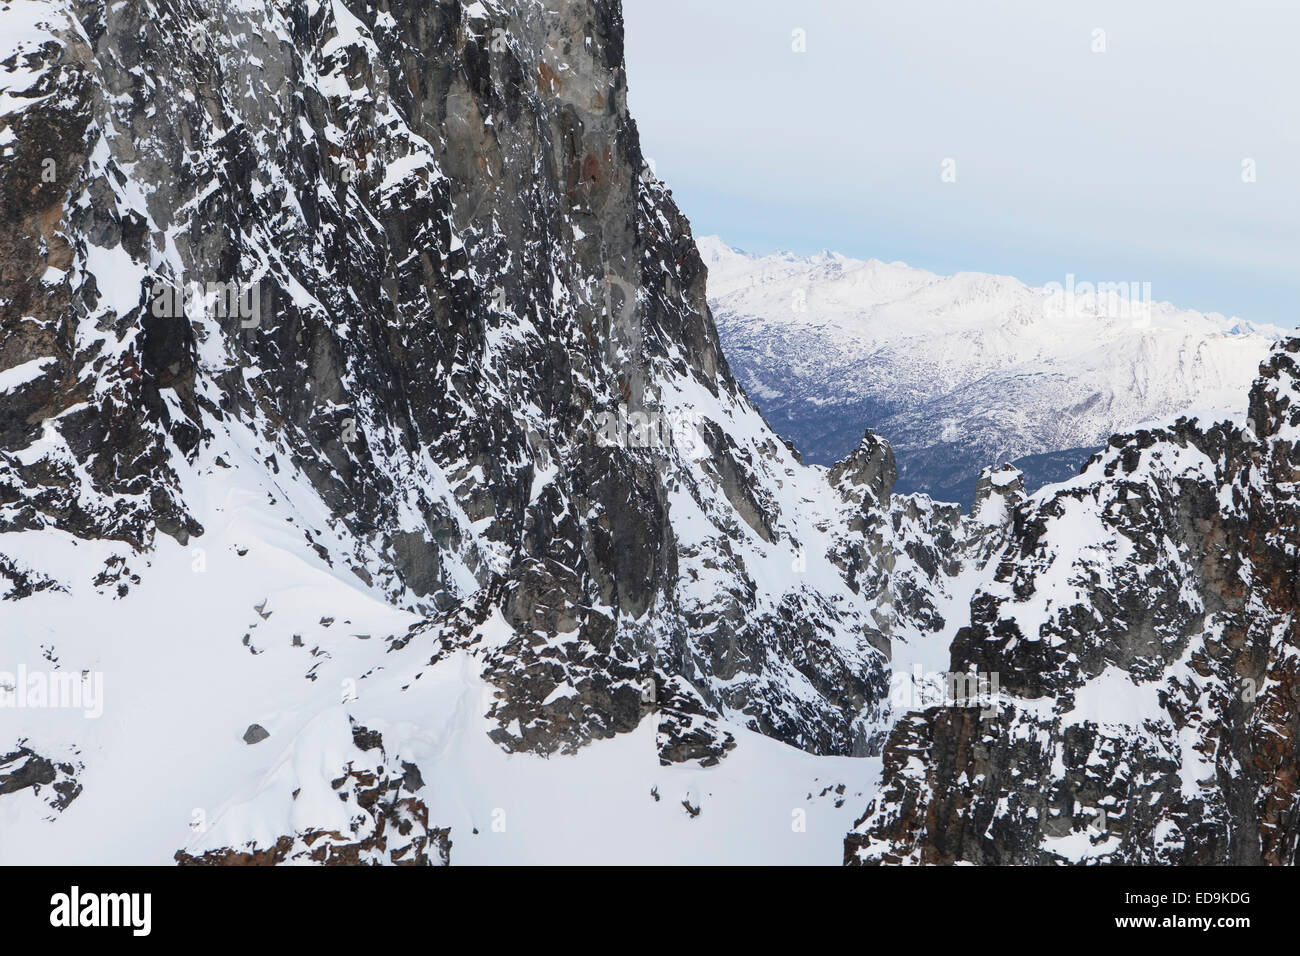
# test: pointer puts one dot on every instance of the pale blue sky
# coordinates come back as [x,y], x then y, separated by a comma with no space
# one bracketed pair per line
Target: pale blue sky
[1123,165]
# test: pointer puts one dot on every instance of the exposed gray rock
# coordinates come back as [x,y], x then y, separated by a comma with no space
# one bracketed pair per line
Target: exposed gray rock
[389,823]
[255,734]
[24,769]
[997,493]
[1142,624]
[871,468]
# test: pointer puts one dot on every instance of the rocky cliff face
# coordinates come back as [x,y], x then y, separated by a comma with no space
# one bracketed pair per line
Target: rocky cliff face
[1141,620]
[401,268]
[365,434]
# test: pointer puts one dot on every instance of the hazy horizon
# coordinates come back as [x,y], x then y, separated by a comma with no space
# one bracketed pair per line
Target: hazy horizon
[1126,155]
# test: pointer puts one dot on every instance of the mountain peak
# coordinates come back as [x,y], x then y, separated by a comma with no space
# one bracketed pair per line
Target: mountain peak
[964,371]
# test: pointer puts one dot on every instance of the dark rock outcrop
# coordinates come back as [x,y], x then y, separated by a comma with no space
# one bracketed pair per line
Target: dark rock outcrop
[24,769]
[388,825]
[1142,623]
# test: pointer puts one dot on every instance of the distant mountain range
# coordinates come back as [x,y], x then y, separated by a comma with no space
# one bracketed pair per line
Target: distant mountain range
[966,371]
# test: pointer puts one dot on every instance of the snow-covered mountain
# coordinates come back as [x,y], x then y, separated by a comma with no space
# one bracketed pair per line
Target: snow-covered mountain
[966,371]
[365,438]
[374,489]
[1142,623]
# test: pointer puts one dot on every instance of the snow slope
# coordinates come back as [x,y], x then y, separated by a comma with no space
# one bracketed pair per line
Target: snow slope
[165,766]
[357,570]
